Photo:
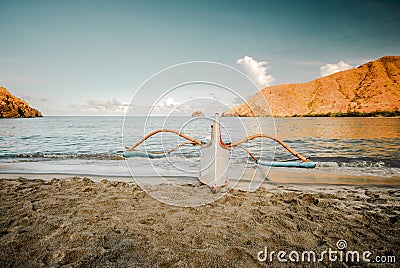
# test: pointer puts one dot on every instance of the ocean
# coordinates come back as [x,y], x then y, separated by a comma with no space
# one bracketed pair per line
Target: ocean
[93,145]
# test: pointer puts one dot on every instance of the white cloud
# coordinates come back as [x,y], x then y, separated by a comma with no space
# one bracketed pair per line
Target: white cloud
[112,105]
[329,69]
[100,106]
[168,105]
[169,102]
[256,70]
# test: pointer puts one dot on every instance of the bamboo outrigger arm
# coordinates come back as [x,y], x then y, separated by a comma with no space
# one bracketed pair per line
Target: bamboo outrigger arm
[192,140]
[284,145]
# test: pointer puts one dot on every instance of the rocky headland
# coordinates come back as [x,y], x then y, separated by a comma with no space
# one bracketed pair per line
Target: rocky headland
[13,107]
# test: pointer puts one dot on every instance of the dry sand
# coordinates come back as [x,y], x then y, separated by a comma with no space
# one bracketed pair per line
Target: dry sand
[78,223]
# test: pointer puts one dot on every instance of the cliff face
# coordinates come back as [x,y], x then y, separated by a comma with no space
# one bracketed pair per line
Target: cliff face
[13,107]
[374,86]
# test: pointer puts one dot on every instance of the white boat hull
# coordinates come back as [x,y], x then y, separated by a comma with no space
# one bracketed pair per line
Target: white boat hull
[214,160]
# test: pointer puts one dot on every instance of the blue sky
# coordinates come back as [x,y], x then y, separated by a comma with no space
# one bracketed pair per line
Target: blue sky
[66,57]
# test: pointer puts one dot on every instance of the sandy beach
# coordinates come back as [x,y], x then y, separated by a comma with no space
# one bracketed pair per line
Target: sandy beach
[76,222]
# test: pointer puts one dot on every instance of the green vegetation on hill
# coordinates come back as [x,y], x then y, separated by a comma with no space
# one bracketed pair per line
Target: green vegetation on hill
[355,114]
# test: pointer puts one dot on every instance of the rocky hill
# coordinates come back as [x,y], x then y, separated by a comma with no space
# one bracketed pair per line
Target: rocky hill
[371,87]
[13,107]
[197,114]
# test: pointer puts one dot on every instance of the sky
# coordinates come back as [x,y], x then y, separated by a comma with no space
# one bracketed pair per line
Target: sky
[90,57]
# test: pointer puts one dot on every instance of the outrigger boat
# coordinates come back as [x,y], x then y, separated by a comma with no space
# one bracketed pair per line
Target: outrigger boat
[215,154]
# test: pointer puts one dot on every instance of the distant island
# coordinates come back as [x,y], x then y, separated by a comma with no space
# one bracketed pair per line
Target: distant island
[372,89]
[197,114]
[13,107]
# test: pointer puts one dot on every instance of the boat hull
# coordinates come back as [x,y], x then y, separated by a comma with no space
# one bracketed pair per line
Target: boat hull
[214,160]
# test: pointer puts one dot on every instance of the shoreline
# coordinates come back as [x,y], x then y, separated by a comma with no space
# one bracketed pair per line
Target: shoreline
[75,221]
[275,176]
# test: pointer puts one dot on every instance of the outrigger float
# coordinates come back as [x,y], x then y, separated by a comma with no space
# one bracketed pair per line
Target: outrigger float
[215,155]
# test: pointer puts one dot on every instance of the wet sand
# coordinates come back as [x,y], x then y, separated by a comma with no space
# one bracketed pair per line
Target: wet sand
[81,223]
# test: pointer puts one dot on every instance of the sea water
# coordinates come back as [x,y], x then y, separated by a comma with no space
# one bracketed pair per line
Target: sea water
[90,145]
